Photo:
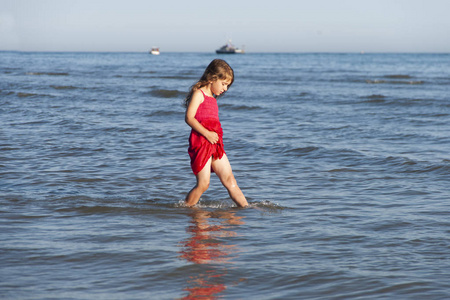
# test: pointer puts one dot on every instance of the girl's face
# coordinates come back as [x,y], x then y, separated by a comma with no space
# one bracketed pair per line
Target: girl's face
[220,86]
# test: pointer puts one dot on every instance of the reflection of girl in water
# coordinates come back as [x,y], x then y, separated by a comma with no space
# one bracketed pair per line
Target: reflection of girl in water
[203,248]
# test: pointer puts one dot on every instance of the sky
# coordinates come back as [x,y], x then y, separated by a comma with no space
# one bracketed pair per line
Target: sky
[203,26]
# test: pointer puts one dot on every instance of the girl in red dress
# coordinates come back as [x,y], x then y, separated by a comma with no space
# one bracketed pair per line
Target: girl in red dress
[205,142]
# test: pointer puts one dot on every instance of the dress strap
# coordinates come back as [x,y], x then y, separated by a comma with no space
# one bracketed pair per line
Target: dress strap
[204,95]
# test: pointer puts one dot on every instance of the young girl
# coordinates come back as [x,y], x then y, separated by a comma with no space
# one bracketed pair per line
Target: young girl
[205,142]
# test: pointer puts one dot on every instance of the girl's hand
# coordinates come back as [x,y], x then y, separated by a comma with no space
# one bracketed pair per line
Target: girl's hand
[212,137]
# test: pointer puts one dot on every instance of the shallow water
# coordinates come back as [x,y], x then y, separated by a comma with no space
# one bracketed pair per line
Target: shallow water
[343,157]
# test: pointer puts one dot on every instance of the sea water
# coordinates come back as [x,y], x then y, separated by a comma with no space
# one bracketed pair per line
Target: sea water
[344,159]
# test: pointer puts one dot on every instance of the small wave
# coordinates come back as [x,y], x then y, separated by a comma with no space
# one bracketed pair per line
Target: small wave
[167,93]
[208,204]
[337,128]
[177,77]
[398,76]
[304,94]
[264,205]
[31,123]
[7,148]
[86,180]
[48,73]
[410,166]
[5,93]
[344,170]
[92,209]
[121,129]
[303,150]
[374,98]
[399,161]
[400,101]
[436,169]
[160,113]
[378,81]
[63,87]
[26,95]
[240,107]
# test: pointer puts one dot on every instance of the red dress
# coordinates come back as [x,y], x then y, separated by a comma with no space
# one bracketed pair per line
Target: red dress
[200,149]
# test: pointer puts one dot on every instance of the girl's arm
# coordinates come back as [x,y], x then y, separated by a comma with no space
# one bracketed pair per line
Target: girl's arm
[196,100]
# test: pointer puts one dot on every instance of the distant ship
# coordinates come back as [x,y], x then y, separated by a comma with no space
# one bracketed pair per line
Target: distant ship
[229,48]
[154,51]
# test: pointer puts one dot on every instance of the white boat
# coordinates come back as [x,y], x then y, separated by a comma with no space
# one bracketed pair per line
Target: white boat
[155,51]
[229,48]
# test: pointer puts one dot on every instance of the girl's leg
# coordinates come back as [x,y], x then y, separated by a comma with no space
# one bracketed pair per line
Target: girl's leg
[203,178]
[223,170]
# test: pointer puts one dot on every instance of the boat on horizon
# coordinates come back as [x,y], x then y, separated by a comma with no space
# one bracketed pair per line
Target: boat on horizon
[154,51]
[229,48]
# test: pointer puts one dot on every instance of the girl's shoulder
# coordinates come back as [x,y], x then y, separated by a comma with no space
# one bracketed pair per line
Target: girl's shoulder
[199,95]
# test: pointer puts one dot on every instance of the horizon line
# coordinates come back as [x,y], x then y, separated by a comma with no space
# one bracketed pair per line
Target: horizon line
[213,52]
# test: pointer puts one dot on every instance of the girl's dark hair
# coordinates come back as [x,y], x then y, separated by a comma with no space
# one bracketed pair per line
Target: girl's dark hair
[217,69]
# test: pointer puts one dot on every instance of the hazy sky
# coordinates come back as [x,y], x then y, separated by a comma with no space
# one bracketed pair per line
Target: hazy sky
[262,26]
